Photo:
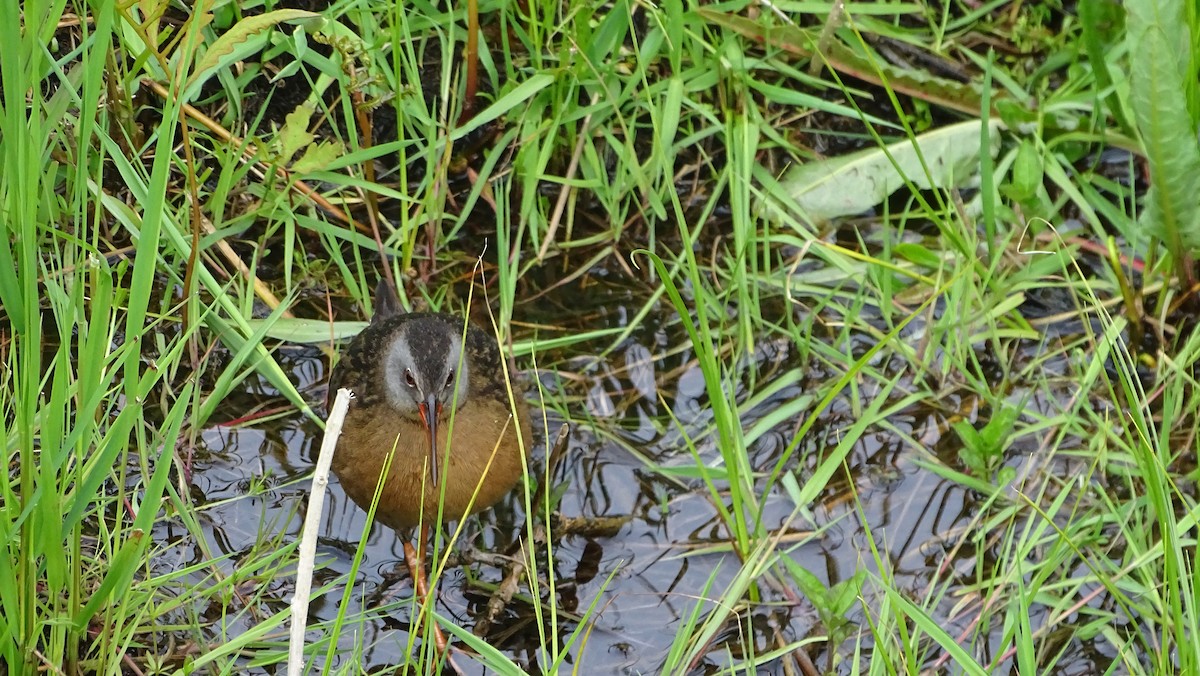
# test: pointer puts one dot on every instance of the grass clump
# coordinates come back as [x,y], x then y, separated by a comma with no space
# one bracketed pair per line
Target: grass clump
[878,311]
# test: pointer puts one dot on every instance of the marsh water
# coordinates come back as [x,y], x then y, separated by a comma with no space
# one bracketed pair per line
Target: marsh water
[641,578]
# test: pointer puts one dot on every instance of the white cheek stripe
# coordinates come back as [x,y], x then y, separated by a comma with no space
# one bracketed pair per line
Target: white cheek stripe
[462,373]
[399,394]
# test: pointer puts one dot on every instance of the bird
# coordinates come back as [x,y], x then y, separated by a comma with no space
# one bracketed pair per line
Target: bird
[431,386]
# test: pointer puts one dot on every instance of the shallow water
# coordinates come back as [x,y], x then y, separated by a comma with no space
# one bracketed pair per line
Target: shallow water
[650,573]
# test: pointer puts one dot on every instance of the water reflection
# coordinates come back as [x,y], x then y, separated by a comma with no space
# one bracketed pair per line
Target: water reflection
[648,574]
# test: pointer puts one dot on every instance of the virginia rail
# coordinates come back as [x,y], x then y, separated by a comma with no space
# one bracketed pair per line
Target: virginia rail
[431,386]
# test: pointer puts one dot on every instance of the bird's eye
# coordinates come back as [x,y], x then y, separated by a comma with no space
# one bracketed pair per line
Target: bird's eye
[408,378]
[450,379]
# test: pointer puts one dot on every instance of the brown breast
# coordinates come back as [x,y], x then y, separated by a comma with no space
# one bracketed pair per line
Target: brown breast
[484,460]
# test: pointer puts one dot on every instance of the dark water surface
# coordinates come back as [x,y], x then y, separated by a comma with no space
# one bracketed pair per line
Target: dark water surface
[651,572]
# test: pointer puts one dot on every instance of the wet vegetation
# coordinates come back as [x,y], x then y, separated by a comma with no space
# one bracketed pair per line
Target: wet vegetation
[871,326]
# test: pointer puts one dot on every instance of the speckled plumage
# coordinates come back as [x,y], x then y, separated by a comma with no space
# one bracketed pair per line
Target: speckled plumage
[485,455]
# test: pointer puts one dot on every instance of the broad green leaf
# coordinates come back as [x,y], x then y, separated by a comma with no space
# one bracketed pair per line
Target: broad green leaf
[308,330]
[1160,78]
[854,183]
[1027,171]
[918,254]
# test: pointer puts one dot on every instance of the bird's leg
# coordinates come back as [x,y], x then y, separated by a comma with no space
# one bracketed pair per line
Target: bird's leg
[415,558]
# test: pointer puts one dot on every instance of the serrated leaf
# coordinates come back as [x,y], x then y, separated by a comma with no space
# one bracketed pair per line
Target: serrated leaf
[225,49]
[318,157]
[295,134]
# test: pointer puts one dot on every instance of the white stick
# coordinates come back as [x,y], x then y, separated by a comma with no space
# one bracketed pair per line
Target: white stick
[308,540]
